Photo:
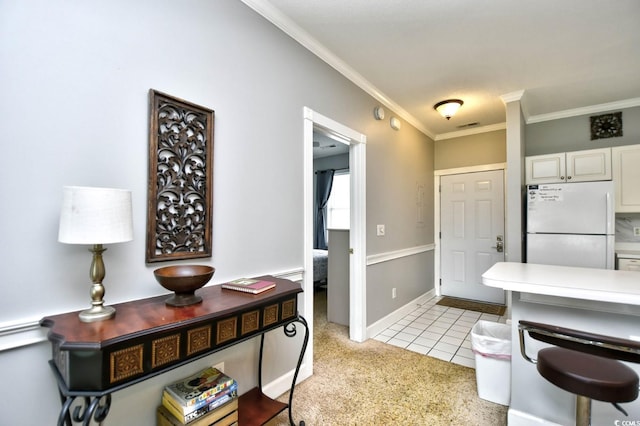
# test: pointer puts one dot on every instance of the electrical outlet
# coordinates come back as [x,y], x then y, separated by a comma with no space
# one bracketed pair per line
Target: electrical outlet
[219,366]
[393,293]
[636,231]
[380,230]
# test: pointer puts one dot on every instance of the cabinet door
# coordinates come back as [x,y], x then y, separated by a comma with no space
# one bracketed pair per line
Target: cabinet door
[589,165]
[629,265]
[548,168]
[626,177]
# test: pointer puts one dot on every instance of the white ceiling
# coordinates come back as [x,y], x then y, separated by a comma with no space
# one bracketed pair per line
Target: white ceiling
[569,57]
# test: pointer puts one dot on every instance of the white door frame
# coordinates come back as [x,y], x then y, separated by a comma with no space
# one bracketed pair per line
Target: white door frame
[436,206]
[357,235]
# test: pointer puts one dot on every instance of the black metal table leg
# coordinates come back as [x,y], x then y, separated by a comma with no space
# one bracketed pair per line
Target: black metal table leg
[290,330]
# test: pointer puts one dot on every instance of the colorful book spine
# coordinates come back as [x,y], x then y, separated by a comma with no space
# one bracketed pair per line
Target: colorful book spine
[199,387]
[187,409]
[202,411]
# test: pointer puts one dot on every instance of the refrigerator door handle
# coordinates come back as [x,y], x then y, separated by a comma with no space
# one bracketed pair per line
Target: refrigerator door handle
[610,213]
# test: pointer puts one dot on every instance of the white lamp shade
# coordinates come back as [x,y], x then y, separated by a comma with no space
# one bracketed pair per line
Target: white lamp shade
[95,216]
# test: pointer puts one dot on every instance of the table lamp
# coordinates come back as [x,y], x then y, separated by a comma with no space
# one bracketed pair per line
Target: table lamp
[96,216]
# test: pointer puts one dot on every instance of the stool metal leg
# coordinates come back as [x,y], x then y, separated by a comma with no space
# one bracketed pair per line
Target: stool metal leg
[583,411]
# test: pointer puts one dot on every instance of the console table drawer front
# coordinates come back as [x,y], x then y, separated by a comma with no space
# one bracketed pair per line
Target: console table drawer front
[126,363]
[165,350]
[198,339]
[289,309]
[250,322]
[226,330]
[270,315]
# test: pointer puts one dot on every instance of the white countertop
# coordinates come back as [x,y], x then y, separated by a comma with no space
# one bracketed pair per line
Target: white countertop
[604,285]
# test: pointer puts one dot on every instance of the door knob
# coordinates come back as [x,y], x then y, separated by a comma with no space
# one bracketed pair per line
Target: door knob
[499,244]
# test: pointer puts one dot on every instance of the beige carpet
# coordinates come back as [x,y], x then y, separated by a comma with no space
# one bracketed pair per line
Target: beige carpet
[373,383]
[471,305]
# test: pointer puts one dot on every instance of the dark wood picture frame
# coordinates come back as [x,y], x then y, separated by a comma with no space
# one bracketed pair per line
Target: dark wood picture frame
[180,186]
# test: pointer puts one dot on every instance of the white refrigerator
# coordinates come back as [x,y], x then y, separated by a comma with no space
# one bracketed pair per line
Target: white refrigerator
[571,224]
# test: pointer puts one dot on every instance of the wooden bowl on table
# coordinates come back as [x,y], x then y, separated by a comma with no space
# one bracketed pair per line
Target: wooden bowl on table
[183,280]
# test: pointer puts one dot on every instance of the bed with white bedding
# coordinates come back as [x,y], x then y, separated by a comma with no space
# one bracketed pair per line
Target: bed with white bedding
[320,261]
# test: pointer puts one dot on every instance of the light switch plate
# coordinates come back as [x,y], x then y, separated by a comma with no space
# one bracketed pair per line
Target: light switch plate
[636,231]
[380,230]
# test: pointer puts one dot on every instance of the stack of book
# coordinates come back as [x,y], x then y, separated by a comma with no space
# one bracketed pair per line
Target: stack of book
[206,398]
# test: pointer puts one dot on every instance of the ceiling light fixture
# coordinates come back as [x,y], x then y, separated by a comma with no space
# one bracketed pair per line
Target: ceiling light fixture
[448,107]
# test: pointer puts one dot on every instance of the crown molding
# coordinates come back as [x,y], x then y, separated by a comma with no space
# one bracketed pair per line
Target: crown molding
[474,131]
[281,21]
[593,109]
[277,18]
[512,96]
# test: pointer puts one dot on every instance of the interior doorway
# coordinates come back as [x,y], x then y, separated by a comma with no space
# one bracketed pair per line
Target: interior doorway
[357,234]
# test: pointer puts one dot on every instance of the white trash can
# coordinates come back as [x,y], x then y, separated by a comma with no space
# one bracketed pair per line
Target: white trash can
[491,343]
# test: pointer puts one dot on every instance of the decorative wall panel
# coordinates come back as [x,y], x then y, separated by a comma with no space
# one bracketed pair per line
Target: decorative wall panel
[180,187]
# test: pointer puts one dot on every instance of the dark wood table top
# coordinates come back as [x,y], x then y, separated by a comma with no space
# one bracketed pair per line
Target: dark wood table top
[152,315]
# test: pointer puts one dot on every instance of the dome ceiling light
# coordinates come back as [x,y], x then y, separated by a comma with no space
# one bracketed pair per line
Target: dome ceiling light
[448,107]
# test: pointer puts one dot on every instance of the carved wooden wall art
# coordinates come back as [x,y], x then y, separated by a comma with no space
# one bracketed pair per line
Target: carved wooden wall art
[180,192]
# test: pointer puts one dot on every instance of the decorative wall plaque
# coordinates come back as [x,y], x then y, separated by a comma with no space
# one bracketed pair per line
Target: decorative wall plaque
[180,192]
[606,126]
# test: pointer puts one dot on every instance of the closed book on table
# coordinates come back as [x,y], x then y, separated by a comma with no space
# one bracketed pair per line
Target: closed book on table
[223,416]
[249,285]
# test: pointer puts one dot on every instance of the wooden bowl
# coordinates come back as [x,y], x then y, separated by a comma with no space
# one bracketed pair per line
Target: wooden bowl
[183,280]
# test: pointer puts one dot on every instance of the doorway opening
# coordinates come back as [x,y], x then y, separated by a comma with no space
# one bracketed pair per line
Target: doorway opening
[315,122]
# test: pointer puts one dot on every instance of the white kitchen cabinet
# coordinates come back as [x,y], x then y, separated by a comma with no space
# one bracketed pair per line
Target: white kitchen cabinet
[626,176]
[629,264]
[575,166]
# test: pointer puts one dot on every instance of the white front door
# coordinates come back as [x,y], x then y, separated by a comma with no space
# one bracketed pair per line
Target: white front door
[472,233]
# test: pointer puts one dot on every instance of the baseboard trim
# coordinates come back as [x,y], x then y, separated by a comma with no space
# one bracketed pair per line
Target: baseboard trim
[384,323]
[282,384]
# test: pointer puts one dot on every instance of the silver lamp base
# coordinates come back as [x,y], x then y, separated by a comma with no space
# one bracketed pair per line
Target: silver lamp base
[97,313]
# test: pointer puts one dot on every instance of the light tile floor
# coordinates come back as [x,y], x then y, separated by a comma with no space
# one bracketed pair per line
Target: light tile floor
[437,331]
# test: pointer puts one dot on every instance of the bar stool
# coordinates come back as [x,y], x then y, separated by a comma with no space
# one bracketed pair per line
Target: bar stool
[585,364]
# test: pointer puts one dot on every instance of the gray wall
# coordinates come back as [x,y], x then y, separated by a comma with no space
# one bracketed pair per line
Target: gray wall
[396,171]
[74,80]
[471,150]
[574,134]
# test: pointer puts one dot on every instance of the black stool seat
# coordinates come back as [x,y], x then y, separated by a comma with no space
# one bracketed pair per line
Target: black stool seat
[588,375]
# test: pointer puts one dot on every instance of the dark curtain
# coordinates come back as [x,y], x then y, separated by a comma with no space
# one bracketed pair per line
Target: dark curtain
[324,182]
